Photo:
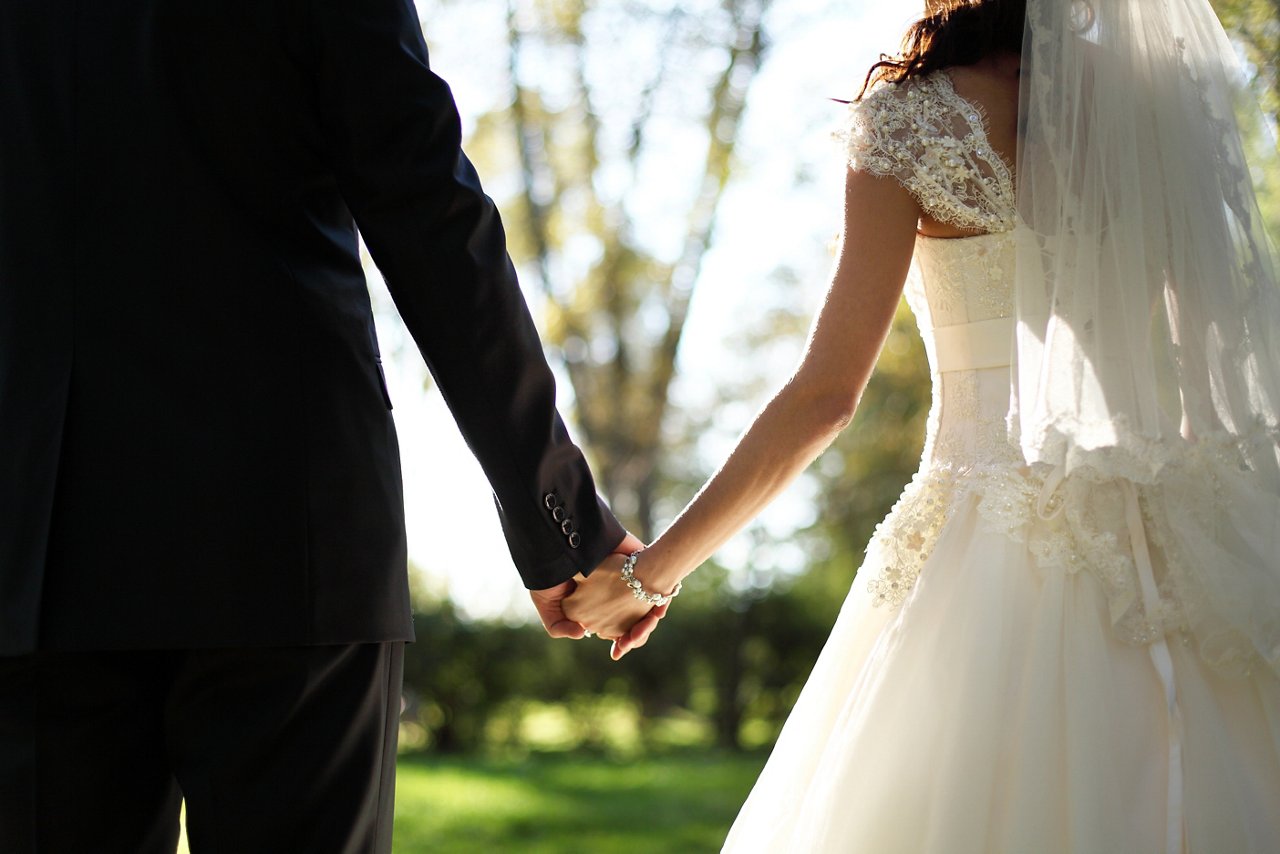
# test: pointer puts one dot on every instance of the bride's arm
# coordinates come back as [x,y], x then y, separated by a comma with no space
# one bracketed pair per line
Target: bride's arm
[806,414]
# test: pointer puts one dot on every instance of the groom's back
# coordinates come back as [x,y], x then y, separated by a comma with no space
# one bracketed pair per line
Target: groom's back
[195,447]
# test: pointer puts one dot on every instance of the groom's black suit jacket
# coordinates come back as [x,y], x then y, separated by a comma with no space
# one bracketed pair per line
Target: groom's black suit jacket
[195,442]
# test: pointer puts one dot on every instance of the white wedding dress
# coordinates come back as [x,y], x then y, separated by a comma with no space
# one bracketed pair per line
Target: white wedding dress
[990,685]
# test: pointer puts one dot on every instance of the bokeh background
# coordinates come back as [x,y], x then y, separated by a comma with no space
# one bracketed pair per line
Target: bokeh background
[672,196]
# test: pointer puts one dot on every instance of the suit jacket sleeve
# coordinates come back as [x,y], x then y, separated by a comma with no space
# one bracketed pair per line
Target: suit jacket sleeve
[436,237]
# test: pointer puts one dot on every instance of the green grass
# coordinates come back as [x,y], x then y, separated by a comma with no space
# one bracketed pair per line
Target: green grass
[558,805]
[570,804]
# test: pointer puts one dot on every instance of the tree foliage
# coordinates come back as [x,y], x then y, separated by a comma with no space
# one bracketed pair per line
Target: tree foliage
[1255,25]
[610,103]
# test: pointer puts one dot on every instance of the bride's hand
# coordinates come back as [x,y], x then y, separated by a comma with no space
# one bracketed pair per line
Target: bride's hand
[603,603]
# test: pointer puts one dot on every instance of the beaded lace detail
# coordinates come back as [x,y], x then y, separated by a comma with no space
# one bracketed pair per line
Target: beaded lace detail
[1088,534]
[935,143]
[1082,528]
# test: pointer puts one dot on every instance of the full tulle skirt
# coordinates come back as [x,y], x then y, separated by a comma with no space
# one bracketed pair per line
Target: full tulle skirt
[996,710]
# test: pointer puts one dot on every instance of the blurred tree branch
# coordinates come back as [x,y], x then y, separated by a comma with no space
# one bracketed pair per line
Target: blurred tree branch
[1255,25]
[620,318]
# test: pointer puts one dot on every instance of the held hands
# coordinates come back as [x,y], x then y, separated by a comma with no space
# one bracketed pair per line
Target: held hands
[602,602]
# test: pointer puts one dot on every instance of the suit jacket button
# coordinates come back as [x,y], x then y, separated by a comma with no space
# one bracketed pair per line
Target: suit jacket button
[559,513]
[550,500]
[575,540]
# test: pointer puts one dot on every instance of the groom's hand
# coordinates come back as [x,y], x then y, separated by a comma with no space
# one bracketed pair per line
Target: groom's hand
[630,543]
[549,604]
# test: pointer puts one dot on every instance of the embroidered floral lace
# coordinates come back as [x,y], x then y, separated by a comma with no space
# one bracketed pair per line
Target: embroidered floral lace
[935,143]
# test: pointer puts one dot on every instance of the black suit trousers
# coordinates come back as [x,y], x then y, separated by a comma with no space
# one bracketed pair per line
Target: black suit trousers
[274,750]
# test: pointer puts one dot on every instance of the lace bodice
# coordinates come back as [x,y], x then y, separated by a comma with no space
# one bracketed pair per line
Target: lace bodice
[934,142]
[960,292]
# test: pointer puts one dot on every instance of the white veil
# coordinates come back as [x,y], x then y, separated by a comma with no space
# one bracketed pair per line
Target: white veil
[1148,334]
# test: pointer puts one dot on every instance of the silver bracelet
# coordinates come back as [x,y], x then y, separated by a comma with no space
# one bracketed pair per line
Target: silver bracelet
[657,600]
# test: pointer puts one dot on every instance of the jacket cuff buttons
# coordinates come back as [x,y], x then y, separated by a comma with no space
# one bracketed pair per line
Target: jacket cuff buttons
[562,519]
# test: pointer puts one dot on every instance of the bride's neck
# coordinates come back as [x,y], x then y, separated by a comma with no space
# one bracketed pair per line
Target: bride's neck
[1006,65]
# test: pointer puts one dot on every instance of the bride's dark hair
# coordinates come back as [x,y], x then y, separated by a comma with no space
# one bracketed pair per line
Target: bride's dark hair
[962,32]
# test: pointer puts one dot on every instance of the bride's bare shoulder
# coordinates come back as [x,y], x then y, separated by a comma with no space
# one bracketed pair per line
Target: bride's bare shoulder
[993,79]
[992,85]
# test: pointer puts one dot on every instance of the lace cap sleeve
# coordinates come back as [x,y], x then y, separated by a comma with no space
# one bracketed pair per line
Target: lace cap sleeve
[934,143]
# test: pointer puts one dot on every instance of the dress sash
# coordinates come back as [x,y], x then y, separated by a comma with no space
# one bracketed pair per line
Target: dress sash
[974,346]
